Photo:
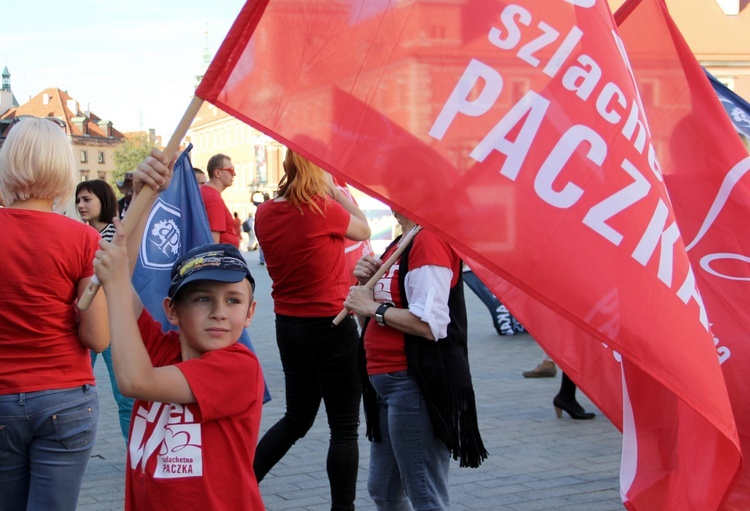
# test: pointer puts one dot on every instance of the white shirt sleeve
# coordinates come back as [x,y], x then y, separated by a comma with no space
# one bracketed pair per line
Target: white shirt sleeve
[427,290]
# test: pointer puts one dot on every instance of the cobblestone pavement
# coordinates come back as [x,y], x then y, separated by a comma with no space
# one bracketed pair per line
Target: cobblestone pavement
[537,462]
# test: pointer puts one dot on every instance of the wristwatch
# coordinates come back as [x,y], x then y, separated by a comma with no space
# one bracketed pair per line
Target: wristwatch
[380,313]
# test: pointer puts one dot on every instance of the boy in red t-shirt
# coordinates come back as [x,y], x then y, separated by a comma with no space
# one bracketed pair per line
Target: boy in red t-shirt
[198,392]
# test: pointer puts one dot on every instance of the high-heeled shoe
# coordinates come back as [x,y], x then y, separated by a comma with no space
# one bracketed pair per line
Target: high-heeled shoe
[572,408]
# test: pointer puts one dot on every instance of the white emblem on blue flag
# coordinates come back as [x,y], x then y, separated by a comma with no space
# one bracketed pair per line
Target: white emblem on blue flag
[161,241]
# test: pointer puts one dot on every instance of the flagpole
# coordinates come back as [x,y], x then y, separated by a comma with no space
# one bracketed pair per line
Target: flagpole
[143,199]
[383,268]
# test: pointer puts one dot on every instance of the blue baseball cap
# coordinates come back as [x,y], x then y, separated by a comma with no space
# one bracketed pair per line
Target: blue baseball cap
[219,262]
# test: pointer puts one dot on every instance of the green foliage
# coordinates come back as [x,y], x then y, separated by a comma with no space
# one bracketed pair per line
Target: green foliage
[132,152]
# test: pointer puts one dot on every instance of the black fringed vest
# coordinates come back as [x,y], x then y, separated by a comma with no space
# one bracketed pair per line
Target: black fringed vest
[441,370]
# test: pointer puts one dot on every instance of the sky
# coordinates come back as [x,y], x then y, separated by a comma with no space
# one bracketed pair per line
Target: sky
[133,62]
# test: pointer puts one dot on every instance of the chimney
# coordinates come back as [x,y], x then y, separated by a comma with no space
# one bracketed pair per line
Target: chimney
[72,105]
[730,7]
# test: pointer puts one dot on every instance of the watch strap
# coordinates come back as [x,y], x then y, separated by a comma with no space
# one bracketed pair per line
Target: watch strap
[380,313]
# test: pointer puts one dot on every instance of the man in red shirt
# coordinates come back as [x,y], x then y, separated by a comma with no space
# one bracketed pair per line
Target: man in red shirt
[220,176]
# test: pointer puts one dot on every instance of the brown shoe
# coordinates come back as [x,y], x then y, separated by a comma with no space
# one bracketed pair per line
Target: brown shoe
[546,369]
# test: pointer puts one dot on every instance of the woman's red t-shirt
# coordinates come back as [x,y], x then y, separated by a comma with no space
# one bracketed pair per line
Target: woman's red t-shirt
[304,252]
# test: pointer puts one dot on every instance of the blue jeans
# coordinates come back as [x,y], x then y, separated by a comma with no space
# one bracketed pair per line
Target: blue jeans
[409,462]
[320,362]
[46,439]
[124,404]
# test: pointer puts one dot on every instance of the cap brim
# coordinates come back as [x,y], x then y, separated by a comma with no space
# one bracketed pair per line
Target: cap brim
[218,275]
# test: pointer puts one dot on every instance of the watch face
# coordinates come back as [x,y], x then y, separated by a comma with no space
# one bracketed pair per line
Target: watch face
[379,314]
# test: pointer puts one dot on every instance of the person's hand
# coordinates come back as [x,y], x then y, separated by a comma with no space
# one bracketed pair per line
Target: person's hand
[155,172]
[111,264]
[365,268]
[361,301]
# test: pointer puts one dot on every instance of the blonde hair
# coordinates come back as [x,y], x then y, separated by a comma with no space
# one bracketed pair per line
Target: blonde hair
[36,161]
[304,180]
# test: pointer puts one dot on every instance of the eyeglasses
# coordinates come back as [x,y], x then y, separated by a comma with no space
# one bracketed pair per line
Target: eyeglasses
[55,120]
[230,170]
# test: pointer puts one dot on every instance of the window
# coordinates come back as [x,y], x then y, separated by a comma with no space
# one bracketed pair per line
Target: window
[102,175]
[101,156]
[84,157]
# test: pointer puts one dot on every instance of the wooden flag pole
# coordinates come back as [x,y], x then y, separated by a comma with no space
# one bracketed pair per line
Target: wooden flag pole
[383,268]
[143,199]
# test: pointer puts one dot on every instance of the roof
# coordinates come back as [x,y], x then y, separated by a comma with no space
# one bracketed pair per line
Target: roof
[57,103]
[711,35]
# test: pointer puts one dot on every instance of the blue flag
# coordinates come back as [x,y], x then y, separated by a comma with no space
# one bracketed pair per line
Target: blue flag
[737,108]
[176,224]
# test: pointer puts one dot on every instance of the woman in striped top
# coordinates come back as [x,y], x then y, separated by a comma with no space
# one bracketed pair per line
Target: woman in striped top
[97,205]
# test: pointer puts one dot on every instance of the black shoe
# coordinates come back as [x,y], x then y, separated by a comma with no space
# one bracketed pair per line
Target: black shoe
[572,408]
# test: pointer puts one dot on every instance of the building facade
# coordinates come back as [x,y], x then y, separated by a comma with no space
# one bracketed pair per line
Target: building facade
[94,140]
[257,159]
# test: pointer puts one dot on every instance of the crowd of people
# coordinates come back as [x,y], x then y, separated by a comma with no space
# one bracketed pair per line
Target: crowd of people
[402,351]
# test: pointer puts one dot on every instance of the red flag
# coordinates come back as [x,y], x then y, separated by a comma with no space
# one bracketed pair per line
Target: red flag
[514,131]
[707,172]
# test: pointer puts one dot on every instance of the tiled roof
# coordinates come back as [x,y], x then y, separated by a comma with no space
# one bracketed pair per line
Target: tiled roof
[54,102]
[711,34]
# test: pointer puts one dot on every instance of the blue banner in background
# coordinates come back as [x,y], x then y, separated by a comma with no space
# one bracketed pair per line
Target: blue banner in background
[176,224]
[737,108]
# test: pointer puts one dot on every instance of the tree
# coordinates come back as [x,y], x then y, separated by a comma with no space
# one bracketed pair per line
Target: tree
[132,152]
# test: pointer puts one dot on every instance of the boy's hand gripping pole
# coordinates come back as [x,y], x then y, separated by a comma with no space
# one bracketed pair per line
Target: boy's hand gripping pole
[383,268]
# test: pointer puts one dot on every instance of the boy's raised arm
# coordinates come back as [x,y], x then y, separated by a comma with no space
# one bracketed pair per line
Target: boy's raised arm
[114,264]
[136,376]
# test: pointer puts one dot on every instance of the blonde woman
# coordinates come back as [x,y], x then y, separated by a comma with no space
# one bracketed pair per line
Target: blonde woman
[302,233]
[48,403]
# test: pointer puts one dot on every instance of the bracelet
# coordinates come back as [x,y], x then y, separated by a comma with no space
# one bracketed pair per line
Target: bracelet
[380,313]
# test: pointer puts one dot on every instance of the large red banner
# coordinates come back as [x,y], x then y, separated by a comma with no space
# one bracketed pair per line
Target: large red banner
[706,169]
[516,132]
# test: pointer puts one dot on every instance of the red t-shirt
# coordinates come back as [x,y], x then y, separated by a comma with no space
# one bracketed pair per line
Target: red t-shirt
[43,258]
[196,456]
[219,218]
[304,252]
[384,345]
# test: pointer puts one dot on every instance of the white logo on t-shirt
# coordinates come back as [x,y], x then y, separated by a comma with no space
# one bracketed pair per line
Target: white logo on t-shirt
[381,291]
[169,432]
